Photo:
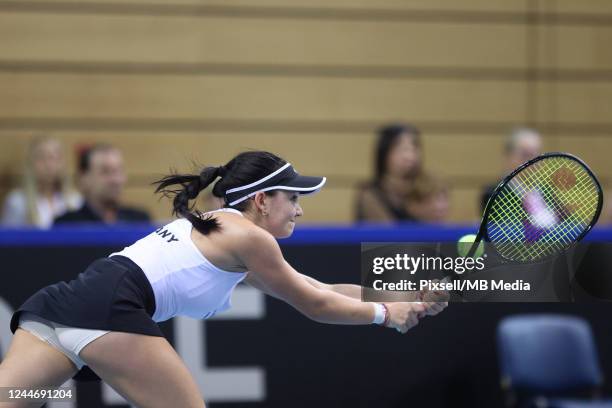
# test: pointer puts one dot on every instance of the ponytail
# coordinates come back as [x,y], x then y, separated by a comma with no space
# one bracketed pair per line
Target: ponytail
[243,169]
[190,187]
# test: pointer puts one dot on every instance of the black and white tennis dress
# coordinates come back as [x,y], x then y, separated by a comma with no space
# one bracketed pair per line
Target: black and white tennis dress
[158,277]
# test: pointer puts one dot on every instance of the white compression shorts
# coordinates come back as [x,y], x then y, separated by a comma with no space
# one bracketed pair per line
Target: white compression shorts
[69,340]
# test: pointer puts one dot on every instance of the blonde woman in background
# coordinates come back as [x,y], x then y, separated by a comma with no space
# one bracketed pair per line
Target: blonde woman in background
[45,192]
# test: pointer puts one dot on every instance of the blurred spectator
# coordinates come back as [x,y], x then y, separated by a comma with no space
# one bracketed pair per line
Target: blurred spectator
[521,145]
[45,191]
[102,179]
[428,199]
[397,164]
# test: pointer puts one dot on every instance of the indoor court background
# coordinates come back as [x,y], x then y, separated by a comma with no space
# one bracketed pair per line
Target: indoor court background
[175,81]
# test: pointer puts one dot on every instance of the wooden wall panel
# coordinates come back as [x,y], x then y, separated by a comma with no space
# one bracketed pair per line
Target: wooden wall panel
[330,205]
[462,155]
[594,150]
[576,47]
[196,39]
[577,103]
[344,155]
[465,204]
[223,97]
[94,38]
[473,5]
[346,64]
[469,158]
[400,5]
[597,7]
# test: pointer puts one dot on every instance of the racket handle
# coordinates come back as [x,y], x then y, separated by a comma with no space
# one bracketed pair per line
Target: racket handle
[474,246]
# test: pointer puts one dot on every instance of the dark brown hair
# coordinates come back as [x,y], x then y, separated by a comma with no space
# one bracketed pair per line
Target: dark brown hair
[245,168]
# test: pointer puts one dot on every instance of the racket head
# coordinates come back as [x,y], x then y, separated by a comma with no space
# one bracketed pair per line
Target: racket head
[542,208]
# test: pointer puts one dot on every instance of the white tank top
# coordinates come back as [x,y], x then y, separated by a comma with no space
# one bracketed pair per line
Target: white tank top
[184,282]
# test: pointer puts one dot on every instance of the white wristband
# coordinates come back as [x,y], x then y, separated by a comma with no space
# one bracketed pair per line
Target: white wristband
[379,313]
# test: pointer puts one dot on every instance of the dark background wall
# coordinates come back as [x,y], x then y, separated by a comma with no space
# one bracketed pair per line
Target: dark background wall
[448,360]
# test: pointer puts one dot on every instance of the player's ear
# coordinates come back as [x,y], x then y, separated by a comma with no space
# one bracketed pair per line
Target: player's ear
[261,202]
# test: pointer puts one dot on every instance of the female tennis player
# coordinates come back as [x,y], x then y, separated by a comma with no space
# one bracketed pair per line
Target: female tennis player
[106,317]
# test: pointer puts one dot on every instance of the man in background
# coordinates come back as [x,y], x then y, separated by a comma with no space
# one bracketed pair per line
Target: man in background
[522,144]
[101,179]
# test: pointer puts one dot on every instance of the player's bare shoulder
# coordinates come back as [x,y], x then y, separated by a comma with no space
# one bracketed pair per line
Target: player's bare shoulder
[250,241]
[254,240]
[239,235]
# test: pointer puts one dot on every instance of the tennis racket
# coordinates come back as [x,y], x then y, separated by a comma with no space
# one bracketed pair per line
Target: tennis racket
[538,211]
[541,209]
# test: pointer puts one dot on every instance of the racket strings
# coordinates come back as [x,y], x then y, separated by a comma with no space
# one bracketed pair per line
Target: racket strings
[543,245]
[548,242]
[576,195]
[543,209]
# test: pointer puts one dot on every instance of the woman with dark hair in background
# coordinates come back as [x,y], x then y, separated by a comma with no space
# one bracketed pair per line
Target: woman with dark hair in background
[398,162]
[106,318]
[45,192]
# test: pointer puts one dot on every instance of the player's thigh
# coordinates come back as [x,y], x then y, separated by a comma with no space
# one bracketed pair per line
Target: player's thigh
[30,363]
[144,369]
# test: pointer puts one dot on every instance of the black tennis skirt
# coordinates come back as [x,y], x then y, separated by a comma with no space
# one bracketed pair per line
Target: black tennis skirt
[111,294]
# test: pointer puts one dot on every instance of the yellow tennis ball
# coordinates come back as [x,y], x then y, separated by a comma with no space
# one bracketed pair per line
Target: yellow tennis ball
[465,243]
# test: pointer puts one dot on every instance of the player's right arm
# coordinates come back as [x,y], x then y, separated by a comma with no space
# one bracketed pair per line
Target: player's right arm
[434,301]
[269,272]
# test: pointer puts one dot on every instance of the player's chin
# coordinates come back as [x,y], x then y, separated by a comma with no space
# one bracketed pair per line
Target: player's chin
[288,230]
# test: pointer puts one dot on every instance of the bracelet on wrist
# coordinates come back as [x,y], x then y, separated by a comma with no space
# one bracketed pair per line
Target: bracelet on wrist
[380,313]
[387,315]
